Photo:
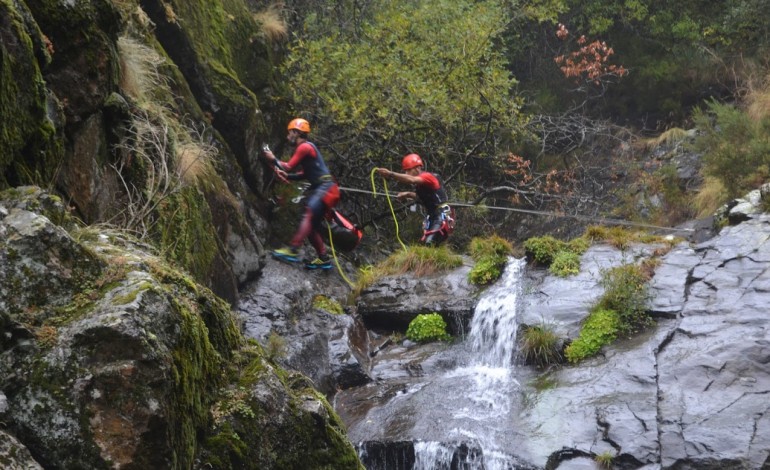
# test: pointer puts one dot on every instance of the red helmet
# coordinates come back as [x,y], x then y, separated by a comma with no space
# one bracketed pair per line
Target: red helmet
[300,125]
[411,161]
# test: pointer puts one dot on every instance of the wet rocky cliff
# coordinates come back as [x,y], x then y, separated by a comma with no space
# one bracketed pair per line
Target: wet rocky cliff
[110,357]
[145,115]
[689,392]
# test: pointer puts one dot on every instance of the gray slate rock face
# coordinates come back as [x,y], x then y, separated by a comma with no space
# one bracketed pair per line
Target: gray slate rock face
[14,455]
[110,358]
[689,393]
[393,302]
[332,350]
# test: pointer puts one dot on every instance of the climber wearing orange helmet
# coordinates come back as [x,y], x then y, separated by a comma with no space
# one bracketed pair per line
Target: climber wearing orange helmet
[429,190]
[307,164]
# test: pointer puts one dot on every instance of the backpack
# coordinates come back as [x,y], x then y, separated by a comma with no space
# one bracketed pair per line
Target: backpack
[345,234]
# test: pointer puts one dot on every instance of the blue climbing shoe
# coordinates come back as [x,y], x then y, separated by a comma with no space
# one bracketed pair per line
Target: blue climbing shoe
[319,263]
[288,254]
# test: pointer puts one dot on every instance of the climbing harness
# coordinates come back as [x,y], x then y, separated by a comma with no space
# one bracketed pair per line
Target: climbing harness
[446,216]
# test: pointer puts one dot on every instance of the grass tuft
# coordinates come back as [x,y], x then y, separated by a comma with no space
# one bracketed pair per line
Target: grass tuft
[274,28]
[672,136]
[710,197]
[540,346]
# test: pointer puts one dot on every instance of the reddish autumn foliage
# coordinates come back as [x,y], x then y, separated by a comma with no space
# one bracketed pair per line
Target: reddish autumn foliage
[590,62]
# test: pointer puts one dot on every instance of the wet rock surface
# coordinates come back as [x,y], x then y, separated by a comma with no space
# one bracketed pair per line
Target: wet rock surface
[690,392]
[331,349]
[393,302]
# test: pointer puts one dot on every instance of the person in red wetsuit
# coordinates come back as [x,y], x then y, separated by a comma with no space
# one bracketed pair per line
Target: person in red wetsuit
[429,190]
[307,164]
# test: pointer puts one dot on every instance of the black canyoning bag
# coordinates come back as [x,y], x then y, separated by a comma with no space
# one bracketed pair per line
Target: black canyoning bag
[345,234]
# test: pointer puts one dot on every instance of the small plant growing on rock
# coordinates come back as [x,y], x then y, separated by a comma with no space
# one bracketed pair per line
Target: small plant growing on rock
[625,292]
[275,347]
[604,459]
[600,328]
[491,254]
[418,260]
[321,302]
[540,346]
[543,249]
[422,260]
[565,263]
[427,327]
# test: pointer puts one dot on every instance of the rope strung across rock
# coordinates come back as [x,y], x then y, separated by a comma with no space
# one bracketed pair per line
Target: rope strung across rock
[601,220]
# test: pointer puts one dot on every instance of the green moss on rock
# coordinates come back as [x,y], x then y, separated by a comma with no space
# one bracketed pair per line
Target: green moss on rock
[186,232]
[27,136]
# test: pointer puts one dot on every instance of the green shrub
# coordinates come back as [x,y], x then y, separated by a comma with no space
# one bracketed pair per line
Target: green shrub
[600,328]
[493,246]
[735,146]
[622,309]
[565,263]
[491,254]
[543,249]
[540,346]
[578,245]
[626,292]
[486,271]
[427,327]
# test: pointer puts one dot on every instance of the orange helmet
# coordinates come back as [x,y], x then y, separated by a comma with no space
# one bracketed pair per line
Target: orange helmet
[300,125]
[411,161]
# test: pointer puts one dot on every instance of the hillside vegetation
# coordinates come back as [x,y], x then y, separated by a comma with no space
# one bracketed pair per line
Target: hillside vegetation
[566,106]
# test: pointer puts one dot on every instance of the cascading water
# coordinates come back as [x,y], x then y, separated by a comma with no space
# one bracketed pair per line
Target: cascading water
[458,414]
[493,327]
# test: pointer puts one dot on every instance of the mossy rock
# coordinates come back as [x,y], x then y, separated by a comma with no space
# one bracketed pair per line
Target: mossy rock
[31,149]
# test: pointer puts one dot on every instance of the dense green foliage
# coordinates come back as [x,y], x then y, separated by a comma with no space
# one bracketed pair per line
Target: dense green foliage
[565,263]
[626,292]
[543,249]
[622,310]
[562,258]
[491,254]
[427,77]
[599,329]
[736,148]
[426,328]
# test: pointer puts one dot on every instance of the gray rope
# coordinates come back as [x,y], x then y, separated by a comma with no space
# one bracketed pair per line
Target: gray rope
[601,220]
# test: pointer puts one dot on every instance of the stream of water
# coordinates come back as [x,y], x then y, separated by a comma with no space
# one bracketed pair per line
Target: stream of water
[460,415]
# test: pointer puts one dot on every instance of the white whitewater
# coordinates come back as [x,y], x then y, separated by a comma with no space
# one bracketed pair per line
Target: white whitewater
[485,383]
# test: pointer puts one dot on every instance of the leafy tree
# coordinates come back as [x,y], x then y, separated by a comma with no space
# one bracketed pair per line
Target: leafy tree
[427,77]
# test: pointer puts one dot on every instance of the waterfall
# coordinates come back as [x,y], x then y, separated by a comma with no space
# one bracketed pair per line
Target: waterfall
[460,410]
[487,375]
[493,328]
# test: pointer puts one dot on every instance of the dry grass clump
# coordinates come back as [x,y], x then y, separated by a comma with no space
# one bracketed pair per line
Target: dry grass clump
[758,102]
[139,66]
[195,162]
[710,197]
[672,136]
[274,28]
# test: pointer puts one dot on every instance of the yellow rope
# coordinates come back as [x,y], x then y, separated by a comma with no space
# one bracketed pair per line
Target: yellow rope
[390,203]
[334,255]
